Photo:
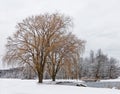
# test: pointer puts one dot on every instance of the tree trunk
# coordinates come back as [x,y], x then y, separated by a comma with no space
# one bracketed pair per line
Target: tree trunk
[40,77]
[53,77]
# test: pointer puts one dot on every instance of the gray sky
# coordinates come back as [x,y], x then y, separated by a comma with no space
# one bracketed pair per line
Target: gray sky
[96,21]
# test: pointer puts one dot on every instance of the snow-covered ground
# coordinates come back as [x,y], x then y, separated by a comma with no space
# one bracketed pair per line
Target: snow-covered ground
[111,80]
[17,86]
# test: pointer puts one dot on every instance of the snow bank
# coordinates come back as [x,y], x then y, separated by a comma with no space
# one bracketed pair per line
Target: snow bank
[16,86]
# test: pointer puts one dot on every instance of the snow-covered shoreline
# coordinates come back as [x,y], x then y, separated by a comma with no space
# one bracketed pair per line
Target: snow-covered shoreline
[17,86]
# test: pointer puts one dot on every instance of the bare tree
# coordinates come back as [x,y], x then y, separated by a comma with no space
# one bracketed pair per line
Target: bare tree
[66,55]
[99,66]
[28,72]
[99,59]
[92,56]
[32,42]
[113,68]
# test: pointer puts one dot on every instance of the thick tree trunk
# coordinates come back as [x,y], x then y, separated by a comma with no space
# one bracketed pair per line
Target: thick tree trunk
[40,78]
[53,78]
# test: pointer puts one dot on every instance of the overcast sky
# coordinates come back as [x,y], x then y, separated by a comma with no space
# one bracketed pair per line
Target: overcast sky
[96,21]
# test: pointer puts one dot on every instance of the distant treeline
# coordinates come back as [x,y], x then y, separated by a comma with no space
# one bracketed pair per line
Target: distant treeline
[96,66]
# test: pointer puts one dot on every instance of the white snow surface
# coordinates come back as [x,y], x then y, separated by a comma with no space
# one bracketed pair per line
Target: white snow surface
[17,86]
[111,80]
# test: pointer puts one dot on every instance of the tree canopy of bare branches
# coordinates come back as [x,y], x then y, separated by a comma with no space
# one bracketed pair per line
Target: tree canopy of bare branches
[68,53]
[39,39]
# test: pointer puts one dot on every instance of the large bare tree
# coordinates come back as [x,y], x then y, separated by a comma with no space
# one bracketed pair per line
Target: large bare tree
[32,42]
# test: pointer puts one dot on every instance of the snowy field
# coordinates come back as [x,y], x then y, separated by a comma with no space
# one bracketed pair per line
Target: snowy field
[17,86]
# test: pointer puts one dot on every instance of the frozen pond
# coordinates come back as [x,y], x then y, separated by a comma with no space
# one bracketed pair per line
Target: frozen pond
[103,84]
